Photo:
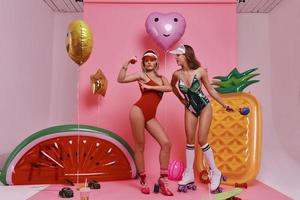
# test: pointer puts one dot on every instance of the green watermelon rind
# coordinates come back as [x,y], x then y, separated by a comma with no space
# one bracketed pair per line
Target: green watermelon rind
[59,129]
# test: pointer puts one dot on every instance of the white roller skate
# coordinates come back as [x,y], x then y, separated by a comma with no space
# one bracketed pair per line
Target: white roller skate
[187,182]
[215,180]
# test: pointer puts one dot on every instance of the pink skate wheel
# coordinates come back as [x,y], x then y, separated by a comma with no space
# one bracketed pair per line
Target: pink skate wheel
[175,170]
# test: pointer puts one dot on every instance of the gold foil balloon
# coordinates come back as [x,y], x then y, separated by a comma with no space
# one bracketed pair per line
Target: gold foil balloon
[98,83]
[79,41]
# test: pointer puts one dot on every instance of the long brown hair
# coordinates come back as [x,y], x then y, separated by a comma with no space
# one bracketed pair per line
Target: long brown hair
[191,59]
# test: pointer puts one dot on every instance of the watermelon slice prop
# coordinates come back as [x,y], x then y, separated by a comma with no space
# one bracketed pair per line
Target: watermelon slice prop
[69,153]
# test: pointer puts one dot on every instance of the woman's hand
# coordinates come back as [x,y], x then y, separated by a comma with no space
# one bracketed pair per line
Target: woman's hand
[144,86]
[131,60]
[184,101]
[228,108]
[123,77]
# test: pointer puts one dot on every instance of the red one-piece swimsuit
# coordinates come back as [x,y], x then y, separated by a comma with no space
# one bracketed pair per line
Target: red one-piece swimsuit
[149,101]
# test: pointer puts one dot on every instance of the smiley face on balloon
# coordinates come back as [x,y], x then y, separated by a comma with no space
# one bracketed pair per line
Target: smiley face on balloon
[165,29]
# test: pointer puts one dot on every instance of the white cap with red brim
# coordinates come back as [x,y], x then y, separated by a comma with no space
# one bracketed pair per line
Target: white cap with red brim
[180,50]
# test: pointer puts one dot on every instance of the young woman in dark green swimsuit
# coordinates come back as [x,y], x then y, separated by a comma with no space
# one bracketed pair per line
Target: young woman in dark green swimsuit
[198,111]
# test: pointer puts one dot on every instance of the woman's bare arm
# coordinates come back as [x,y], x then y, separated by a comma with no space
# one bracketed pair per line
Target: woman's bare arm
[123,77]
[213,93]
[165,87]
[175,89]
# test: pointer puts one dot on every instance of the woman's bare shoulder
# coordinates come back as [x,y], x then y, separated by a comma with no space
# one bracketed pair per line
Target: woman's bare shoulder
[202,71]
[141,75]
[177,72]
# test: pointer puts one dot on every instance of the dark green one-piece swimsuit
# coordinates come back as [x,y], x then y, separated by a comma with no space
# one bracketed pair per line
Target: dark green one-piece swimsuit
[194,96]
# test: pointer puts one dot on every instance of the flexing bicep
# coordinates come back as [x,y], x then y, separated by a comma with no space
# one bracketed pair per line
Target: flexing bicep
[132,77]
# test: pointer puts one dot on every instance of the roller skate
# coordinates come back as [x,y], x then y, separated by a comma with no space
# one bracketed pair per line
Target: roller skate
[162,187]
[144,187]
[187,182]
[215,180]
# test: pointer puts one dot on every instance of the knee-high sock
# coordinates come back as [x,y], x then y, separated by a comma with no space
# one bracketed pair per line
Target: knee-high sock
[209,155]
[190,156]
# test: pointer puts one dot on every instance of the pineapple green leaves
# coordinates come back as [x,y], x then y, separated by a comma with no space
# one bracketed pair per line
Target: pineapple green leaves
[235,81]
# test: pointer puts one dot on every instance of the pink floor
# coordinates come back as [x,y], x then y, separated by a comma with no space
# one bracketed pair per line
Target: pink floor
[129,190]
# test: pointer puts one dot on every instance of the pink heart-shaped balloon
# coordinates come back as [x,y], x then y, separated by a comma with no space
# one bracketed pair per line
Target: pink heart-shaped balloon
[165,29]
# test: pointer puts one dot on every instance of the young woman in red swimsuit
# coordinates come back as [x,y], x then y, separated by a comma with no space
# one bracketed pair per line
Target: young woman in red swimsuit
[142,116]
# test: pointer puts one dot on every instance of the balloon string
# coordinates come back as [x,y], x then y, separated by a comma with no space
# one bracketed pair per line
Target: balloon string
[165,70]
[99,110]
[165,74]
[78,103]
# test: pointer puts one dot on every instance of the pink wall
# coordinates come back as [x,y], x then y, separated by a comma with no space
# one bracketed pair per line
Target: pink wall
[25,61]
[63,104]
[211,30]
[285,90]
[32,50]
[285,80]
[270,42]
[38,79]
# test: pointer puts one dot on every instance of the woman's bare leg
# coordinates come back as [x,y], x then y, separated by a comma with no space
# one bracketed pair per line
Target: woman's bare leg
[190,126]
[162,138]
[204,126]
[190,131]
[137,122]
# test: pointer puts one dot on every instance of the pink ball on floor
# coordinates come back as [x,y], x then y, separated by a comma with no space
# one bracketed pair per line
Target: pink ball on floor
[175,170]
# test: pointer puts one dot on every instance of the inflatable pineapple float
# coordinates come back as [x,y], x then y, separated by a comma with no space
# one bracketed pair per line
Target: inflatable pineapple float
[235,137]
